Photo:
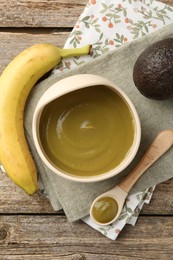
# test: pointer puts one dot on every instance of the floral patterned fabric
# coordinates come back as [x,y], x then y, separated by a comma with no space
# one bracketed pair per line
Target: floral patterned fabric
[129,214]
[107,25]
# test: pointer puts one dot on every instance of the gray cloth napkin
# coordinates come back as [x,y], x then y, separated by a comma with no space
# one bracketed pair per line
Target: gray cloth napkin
[117,65]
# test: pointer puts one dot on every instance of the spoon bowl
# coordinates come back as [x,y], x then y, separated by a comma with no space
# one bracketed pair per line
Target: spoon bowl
[107,207]
[103,206]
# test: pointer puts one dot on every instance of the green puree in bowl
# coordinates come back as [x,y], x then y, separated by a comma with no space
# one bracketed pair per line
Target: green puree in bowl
[87,132]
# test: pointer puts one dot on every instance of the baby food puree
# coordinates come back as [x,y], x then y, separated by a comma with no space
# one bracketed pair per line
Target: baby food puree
[87,132]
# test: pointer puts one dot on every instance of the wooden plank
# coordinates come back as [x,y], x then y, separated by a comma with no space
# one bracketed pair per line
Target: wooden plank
[14,42]
[14,200]
[24,237]
[170,2]
[33,13]
[162,200]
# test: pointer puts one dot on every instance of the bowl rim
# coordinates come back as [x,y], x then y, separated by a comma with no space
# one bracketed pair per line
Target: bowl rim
[75,82]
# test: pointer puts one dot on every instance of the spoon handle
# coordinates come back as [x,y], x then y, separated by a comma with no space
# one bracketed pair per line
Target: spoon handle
[159,146]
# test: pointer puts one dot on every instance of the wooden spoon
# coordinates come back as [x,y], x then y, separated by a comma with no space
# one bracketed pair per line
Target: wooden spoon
[107,207]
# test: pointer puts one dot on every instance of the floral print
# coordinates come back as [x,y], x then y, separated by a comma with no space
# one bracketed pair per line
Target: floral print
[107,25]
[129,214]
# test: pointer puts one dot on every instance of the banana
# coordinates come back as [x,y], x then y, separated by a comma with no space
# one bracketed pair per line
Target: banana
[16,82]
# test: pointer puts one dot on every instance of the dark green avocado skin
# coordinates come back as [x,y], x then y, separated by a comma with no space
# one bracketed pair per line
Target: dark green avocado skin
[153,70]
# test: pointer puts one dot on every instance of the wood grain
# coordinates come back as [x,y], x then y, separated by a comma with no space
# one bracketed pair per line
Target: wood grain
[26,236]
[162,200]
[14,200]
[31,13]
[29,227]
[170,2]
[15,42]
[47,13]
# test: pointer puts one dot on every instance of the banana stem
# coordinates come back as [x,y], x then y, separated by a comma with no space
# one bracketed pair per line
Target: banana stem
[75,52]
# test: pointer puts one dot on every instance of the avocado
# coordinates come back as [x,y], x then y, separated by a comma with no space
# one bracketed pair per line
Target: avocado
[153,70]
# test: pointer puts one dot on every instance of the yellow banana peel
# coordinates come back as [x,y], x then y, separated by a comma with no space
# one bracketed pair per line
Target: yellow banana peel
[16,83]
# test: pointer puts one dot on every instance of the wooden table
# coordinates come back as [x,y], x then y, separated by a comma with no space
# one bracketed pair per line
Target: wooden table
[29,228]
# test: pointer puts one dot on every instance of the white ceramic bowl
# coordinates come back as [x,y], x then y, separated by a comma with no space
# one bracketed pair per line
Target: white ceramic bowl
[70,84]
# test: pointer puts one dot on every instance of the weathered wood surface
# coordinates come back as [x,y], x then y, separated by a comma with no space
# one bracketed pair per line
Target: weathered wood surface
[14,200]
[28,237]
[29,227]
[32,13]
[12,43]
[170,2]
